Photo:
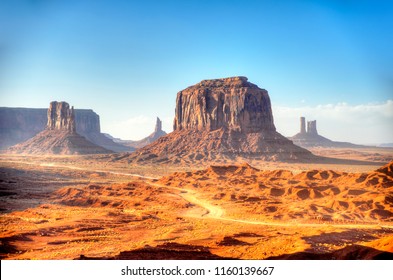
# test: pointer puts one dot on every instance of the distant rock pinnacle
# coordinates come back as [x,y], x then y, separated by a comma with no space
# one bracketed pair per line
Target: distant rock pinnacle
[302,125]
[312,127]
[311,138]
[158,127]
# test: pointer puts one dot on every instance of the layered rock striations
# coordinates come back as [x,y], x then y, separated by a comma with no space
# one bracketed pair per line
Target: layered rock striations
[222,119]
[310,138]
[61,117]
[20,124]
[233,104]
[59,136]
[157,133]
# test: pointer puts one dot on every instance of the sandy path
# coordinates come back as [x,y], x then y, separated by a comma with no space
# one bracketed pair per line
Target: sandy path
[51,164]
[212,211]
[216,212]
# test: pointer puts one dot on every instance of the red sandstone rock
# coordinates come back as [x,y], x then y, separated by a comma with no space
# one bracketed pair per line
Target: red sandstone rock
[218,120]
[232,103]
[61,117]
[60,135]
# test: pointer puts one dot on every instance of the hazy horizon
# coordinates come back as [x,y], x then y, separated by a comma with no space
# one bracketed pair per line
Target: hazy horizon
[329,61]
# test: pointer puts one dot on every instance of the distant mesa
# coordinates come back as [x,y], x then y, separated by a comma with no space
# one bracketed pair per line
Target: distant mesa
[221,119]
[59,136]
[20,124]
[310,138]
[158,132]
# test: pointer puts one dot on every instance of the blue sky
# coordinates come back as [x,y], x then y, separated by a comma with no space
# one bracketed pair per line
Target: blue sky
[126,60]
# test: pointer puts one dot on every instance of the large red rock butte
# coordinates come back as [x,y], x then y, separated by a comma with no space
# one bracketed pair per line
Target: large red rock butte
[60,136]
[20,124]
[221,119]
[233,104]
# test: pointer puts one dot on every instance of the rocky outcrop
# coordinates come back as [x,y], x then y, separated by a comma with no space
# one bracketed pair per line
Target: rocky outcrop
[61,117]
[59,136]
[158,132]
[219,120]
[311,138]
[302,125]
[158,127]
[312,128]
[20,124]
[233,103]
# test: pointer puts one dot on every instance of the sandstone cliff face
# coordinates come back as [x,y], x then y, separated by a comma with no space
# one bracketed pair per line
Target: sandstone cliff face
[19,124]
[61,117]
[220,120]
[87,121]
[232,103]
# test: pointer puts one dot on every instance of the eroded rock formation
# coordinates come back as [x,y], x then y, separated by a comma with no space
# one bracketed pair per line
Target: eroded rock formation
[302,125]
[232,103]
[222,119]
[59,136]
[158,132]
[20,124]
[312,128]
[311,138]
[61,117]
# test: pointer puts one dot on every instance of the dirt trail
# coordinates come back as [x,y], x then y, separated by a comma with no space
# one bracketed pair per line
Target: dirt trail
[216,212]
[212,211]
[51,164]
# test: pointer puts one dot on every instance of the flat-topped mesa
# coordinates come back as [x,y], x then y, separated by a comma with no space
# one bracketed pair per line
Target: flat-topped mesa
[61,117]
[230,103]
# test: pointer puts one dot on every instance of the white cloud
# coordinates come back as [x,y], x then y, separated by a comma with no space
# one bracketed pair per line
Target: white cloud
[363,124]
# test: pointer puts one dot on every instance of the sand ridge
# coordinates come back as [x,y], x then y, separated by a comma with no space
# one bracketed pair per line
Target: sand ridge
[226,211]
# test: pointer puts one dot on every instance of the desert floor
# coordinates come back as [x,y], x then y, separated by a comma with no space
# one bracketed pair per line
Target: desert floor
[70,207]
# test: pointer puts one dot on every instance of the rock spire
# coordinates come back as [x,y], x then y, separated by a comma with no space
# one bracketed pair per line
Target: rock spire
[158,127]
[302,125]
[312,127]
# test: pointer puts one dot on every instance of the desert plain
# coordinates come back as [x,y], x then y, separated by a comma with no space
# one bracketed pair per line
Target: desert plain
[88,207]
